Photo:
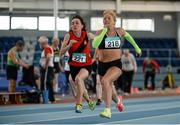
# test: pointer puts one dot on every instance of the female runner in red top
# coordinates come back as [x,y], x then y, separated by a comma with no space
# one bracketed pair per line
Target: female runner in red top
[76,42]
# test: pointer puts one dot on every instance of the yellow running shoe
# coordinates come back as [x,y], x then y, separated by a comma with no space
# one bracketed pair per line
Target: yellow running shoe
[78,108]
[91,105]
[106,113]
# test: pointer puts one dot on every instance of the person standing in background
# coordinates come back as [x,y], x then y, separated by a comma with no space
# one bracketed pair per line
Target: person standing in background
[57,65]
[96,78]
[168,81]
[47,65]
[129,67]
[149,68]
[67,73]
[13,63]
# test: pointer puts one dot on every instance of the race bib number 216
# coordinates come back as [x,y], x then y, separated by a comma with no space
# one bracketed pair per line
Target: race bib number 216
[113,42]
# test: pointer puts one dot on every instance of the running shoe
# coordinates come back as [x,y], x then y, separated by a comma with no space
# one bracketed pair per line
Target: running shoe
[98,102]
[91,105]
[120,105]
[78,108]
[106,113]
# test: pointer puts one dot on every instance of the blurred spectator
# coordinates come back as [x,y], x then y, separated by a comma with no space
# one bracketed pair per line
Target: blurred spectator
[93,74]
[70,82]
[96,78]
[47,66]
[129,67]
[149,68]
[168,81]
[13,63]
[97,87]
[57,66]
[66,65]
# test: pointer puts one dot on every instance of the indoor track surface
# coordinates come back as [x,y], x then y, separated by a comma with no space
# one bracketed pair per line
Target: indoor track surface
[154,110]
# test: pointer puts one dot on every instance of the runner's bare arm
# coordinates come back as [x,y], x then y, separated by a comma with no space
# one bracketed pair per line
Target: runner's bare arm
[66,44]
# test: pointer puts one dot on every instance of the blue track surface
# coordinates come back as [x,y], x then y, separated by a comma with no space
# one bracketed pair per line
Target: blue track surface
[159,110]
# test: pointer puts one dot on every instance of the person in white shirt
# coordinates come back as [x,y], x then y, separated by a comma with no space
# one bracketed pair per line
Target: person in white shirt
[67,73]
[47,65]
[129,67]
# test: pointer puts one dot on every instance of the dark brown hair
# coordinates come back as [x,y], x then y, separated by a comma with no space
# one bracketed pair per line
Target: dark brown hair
[20,43]
[81,20]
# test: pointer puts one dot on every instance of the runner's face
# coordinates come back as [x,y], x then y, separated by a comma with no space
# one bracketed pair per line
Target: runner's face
[108,20]
[76,25]
[126,52]
[42,45]
[56,42]
[20,48]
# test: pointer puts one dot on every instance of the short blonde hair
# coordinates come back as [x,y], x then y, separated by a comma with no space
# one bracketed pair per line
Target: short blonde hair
[43,39]
[110,12]
[55,39]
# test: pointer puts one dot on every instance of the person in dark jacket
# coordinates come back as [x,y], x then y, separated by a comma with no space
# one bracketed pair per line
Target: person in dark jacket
[149,68]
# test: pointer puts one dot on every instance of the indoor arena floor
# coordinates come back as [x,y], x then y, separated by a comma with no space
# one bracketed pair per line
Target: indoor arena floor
[152,110]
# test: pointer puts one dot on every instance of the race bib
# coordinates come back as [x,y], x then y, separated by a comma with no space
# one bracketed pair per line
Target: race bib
[79,57]
[126,63]
[66,58]
[112,42]
[56,59]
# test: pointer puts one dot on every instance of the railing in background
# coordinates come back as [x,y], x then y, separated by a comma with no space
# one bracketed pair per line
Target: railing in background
[163,56]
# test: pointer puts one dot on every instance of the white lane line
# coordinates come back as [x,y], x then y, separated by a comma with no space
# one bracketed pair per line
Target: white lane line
[96,108]
[137,119]
[84,116]
[42,106]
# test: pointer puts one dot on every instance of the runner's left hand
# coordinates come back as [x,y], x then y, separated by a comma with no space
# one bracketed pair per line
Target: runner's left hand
[138,54]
